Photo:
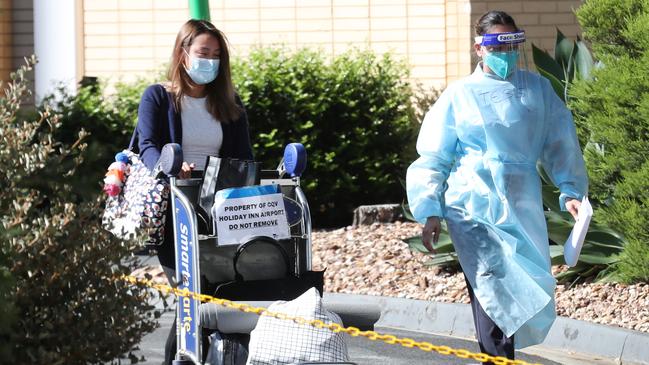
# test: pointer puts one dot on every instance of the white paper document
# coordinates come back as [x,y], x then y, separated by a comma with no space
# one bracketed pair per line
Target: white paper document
[242,213]
[575,241]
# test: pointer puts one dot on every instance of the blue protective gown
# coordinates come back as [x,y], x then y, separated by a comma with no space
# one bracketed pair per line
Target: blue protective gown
[479,146]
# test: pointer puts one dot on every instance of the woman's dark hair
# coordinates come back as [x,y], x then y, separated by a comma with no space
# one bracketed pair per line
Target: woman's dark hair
[492,18]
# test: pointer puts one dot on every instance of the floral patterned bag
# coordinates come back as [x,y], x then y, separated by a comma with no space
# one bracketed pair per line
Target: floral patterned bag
[140,207]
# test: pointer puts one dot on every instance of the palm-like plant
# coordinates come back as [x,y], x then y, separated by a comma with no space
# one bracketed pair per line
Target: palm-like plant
[572,59]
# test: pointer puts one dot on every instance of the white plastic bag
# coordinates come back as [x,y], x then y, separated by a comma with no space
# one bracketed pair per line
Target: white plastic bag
[275,341]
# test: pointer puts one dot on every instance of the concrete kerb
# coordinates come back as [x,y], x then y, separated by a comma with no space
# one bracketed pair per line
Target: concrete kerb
[618,345]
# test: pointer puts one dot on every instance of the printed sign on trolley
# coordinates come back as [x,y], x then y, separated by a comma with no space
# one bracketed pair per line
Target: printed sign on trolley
[241,213]
[188,330]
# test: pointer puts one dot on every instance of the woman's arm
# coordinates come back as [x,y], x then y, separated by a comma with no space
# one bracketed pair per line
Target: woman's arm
[561,156]
[436,145]
[149,126]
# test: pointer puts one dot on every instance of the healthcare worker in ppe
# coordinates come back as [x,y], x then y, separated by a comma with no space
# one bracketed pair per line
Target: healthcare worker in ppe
[479,146]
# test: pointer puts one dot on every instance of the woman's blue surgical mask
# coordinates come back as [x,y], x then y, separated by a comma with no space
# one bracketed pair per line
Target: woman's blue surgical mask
[202,70]
[501,63]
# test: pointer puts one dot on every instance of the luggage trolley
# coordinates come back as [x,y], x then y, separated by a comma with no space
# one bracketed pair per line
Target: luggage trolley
[203,266]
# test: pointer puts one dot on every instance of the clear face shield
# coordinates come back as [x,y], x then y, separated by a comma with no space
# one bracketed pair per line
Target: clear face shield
[505,54]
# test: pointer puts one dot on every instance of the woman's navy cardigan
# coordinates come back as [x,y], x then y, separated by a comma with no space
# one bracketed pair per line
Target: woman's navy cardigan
[159,123]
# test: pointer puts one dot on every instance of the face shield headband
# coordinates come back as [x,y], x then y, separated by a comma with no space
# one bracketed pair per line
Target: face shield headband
[501,51]
[501,39]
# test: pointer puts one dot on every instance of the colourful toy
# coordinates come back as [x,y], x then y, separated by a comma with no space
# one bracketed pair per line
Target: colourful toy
[116,175]
[121,157]
[112,190]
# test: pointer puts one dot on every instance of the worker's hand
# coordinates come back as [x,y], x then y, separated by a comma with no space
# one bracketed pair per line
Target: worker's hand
[430,233]
[573,205]
[186,170]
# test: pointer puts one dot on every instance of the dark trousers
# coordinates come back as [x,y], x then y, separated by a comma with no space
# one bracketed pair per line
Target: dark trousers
[491,339]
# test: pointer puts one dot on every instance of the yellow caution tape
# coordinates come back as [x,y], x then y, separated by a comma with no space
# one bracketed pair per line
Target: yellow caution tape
[335,327]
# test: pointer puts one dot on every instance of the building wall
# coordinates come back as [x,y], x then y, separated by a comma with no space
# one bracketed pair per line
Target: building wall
[458,35]
[22,31]
[124,38]
[5,39]
[21,39]
[539,19]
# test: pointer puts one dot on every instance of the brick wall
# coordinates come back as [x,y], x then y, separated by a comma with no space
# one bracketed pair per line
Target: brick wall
[16,35]
[458,35]
[125,38]
[21,37]
[5,40]
[22,31]
[539,19]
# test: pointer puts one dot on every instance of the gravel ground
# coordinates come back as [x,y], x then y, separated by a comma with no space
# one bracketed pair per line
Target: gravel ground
[373,260]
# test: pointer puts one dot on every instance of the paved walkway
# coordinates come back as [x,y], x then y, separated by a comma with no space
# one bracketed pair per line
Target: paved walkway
[365,352]
[569,341]
[361,351]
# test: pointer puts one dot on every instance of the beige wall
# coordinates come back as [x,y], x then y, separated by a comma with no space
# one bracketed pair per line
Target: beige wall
[16,34]
[124,38]
[539,19]
[5,39]
[127,38]
[22,30]
[458,56]
[16,37]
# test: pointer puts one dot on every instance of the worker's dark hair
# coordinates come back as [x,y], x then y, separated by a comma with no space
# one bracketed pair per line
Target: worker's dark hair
[492,18]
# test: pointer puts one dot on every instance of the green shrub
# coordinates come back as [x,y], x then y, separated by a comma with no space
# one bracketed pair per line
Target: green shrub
[355,116]
[71,305]
[8,317]
[615,27]
[108,119]
[612,111]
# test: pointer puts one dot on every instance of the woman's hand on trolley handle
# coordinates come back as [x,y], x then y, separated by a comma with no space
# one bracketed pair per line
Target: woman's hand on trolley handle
[186,170]
[430,233]
[573,205]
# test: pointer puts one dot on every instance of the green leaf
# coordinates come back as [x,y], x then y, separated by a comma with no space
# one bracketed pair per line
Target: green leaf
[558,85]
[405,209]
[605,237]
[550,196]
[556,255]
[570,70]
[443,245]
[545,63]
[598,255]
[563,52]
[550,69]
[446,259]
[559,226]
[572,273]
[583,61]
[416,244]
[607,275]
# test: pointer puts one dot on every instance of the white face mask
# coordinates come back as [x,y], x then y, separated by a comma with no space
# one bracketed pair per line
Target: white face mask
[202,70]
